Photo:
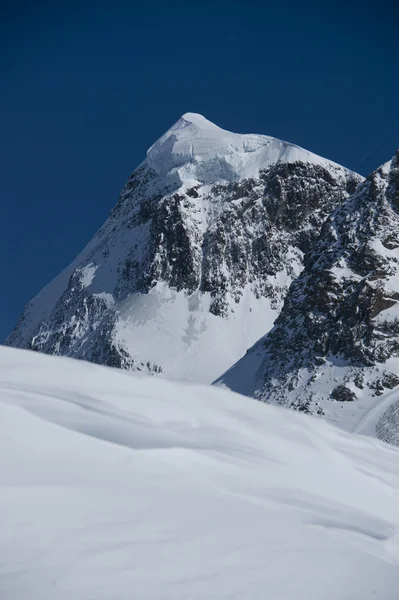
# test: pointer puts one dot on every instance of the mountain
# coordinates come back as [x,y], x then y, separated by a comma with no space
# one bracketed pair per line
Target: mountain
[195,259]
[117,485]
[334,349]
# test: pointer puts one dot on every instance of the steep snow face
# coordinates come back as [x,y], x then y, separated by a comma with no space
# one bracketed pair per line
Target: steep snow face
[195,260]
[115,484]
[334,350]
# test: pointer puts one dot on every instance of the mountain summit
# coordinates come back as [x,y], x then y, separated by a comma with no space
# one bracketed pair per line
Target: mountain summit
[195,260]
[196,148]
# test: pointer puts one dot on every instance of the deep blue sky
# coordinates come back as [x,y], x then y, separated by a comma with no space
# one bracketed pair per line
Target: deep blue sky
[86,89]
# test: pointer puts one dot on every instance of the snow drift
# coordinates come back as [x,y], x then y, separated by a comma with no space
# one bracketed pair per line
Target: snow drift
[117,485]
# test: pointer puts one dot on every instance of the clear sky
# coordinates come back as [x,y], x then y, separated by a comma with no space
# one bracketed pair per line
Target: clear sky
[87,87]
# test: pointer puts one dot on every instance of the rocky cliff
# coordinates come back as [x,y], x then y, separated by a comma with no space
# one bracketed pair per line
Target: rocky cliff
[334,349]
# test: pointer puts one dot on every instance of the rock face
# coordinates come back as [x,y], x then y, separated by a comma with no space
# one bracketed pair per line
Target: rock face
[195,259]
[337,337]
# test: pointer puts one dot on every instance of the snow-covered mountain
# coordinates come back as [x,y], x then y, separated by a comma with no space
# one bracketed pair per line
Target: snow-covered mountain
[334,349]
[194,262]
[115,485]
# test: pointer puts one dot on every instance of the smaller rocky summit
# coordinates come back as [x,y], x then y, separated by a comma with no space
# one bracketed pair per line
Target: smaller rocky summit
[195,259]
[337,337]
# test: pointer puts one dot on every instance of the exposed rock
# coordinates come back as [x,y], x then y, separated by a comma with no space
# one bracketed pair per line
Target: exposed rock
[390,380]
[343,394]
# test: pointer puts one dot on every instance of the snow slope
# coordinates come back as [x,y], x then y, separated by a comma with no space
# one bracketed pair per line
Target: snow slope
[375,415]
[196,257]
[115,485]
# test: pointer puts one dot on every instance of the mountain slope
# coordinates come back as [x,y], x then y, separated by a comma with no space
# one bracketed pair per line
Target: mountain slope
[114,483]
[196,257]
[334,349]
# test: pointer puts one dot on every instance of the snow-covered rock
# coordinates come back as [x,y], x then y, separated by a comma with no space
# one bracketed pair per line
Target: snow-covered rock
[116,485]
[334,349]
[193,264]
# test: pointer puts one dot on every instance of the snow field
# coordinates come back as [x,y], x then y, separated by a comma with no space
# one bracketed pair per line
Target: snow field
[116,485]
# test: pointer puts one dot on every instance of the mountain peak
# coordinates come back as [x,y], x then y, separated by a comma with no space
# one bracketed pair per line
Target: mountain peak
[196,119]
[194,142]
[196,257]
[197,149]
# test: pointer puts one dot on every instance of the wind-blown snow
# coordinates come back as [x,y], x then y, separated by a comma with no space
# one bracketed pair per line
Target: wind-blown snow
[115,485]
